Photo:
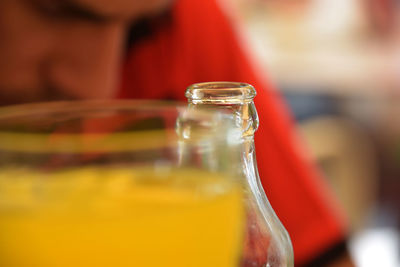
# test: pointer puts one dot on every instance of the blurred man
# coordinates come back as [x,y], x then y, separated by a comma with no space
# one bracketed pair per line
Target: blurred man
[77,49]
[59,49]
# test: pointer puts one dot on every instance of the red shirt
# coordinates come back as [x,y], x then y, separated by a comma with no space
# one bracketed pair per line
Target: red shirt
[197,44]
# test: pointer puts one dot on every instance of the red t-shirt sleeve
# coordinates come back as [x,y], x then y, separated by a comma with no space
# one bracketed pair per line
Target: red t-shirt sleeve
[198,44]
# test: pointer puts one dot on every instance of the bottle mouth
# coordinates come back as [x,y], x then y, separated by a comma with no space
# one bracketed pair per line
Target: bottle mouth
[220,92]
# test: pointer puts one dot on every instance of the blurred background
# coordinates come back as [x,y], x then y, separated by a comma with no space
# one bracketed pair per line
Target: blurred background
[337,62]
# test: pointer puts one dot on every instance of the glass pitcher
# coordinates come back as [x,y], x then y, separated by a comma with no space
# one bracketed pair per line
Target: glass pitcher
[118,183]
[267,243]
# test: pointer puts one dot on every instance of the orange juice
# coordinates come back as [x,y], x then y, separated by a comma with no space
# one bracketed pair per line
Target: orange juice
[119,217]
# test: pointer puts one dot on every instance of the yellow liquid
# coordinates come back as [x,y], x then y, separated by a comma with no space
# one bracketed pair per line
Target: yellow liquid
[104,217]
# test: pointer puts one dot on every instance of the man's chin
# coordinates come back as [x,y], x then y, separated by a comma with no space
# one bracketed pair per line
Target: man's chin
[26,98]
[14,101]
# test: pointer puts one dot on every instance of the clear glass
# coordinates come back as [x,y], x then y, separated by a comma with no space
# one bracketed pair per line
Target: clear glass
[119,183]
[267,243]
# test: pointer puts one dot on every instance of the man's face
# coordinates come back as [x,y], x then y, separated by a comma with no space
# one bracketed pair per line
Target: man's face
[64,49]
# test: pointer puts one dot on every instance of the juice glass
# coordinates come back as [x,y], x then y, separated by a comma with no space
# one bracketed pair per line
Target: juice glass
[118,183]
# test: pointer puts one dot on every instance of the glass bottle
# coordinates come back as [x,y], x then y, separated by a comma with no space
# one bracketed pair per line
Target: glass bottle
[267,243]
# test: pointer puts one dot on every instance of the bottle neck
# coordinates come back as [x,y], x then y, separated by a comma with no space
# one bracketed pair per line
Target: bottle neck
[233,98]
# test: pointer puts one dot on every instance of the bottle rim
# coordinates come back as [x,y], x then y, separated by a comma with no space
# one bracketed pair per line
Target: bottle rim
[220,92]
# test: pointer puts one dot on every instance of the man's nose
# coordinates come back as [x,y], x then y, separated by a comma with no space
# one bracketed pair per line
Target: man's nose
[85,62]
